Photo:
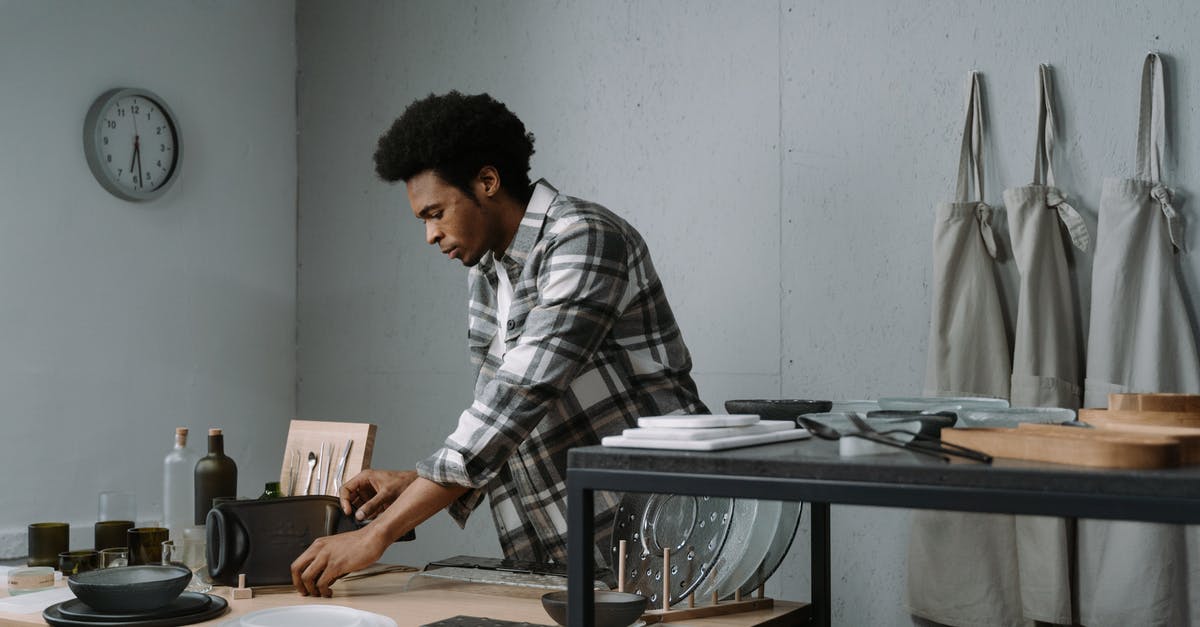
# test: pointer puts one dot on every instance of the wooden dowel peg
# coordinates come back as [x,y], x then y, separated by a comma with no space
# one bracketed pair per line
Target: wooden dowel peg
[692,599]
[762,590]
[666,575]
[737,595]
[621,567]
[713,574]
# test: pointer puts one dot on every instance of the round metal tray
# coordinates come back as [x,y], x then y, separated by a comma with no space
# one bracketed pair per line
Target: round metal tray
[750,535]
[695,528]
[789,522]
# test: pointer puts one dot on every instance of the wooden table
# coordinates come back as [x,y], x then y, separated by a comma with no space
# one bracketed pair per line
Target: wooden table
[385,594]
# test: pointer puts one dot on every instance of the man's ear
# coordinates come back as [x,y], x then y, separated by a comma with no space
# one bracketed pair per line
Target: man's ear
[487,182]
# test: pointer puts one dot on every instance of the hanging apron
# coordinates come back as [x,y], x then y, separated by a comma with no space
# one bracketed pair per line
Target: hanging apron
[1140,341]
[1046,351]
[962,567]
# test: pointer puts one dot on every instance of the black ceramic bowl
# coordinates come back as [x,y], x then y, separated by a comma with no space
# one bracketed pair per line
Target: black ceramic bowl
[613,609]
[777,409]
[130,588]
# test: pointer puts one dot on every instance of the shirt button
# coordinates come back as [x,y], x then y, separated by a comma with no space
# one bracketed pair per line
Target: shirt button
[512,324]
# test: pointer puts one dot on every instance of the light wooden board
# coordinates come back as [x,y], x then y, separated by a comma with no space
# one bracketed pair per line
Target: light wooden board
[1143,417]
[308,435]
[1071,445]
[1189,438]
[1155,402]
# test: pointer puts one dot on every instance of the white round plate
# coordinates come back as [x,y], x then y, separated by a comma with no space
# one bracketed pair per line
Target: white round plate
[311,616]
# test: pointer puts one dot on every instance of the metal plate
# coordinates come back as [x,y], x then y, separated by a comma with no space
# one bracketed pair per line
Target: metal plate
[693,527]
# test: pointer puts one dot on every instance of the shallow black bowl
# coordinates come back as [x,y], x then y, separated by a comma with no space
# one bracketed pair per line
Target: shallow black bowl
[613,609]
[777,409]
[130,588]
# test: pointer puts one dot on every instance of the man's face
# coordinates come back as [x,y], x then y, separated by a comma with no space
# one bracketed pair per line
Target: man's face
[454,222]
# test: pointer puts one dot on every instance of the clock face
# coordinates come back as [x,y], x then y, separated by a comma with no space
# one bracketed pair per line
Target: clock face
[132,143]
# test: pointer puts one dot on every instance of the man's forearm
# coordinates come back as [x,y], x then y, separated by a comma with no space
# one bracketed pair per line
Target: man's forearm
[419,501]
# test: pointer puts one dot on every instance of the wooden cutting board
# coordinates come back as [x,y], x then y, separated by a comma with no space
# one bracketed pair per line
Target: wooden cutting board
[1189,403]
[1141,417]
[1095,448]
[1189,439]
[308,435]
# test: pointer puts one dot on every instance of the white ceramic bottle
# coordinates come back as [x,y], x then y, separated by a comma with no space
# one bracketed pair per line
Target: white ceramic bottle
[178,481]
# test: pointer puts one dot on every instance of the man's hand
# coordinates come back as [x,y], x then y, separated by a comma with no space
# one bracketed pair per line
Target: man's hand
[331,557]
[370,492]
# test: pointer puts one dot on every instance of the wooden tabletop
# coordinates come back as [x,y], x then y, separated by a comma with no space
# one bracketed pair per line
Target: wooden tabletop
[428,602]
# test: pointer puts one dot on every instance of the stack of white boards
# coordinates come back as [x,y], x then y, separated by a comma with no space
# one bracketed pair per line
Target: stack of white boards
[705,433]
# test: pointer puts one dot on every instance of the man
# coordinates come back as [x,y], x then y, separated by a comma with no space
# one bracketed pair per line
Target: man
[569,328]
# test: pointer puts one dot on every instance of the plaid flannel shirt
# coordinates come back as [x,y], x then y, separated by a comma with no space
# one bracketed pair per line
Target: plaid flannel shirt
[591,346]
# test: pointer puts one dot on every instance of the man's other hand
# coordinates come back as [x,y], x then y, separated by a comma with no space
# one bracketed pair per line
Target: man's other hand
[331,557]
[370,492]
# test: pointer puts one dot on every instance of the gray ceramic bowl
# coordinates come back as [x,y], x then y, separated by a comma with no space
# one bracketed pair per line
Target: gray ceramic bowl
[130,588]
[777,409]
[613,609]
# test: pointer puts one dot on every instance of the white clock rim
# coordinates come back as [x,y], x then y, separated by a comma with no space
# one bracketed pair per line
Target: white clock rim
[91,140]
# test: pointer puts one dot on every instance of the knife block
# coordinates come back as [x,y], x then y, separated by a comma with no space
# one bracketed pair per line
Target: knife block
[306,436]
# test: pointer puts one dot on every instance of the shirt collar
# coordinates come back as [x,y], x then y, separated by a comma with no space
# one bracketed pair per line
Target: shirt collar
[530,229]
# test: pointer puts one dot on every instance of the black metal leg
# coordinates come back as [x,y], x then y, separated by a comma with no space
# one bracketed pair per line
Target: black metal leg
[821,589]
[580,567]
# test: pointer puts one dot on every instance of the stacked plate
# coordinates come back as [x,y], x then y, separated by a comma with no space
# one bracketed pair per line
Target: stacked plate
[716,543]
[705,433]
[186,609]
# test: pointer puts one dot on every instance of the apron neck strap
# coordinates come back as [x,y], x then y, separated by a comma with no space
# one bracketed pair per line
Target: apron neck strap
[1043,161]
[970,160]
[1151,142]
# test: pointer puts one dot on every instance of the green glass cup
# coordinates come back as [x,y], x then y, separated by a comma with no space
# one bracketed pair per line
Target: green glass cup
[75,562]
[145,544]
[111,533]
[46,541]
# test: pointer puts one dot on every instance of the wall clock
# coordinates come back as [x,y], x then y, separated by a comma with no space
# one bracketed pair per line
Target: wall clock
[132,144]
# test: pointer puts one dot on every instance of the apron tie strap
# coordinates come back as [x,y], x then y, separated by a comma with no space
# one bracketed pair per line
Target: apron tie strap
[1069,217]
[983,213]
[1162,194]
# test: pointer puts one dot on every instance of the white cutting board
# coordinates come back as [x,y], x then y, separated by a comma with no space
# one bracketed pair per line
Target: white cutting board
[699,421]
[707,445]
[661,433]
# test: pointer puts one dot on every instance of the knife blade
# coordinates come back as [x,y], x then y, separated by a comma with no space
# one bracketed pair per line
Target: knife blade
[341,469]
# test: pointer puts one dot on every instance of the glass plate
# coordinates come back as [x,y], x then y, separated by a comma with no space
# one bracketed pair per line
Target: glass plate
[789,522]
[1000,417]
[750,536]
[311,616]
[939,403]
[693,527]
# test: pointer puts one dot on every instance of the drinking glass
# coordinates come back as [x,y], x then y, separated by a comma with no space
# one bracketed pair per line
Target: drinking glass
[117,506]
[46,541]
[114,557]
[111,533]
[145,544]
[75,562]
[188,553]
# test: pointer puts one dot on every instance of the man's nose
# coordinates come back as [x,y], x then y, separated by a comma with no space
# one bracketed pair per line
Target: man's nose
[432,233]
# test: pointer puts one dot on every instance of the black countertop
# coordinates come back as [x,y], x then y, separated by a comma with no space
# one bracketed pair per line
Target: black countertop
[819,460]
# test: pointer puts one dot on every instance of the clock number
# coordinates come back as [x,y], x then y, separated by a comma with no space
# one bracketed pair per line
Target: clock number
[105,141]
[111,123]
[120,113]
[134,109]
[162,147]
[119,171]
[109,158]
[158,163]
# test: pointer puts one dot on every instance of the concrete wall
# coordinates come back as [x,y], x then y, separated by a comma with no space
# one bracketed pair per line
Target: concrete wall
[782,159]
[124,320]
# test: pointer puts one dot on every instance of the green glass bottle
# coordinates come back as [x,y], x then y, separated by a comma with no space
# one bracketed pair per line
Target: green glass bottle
[271,491]
[216,475]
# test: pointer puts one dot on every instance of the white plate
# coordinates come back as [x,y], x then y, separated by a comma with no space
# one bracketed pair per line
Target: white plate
[717,444]
[311,616]
[683,421]
[709,433]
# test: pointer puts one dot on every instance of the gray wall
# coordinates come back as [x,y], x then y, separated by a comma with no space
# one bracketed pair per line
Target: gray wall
[120,320]
[782,159]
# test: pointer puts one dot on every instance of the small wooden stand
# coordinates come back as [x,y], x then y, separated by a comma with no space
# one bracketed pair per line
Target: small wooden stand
[714,608]
[241,591]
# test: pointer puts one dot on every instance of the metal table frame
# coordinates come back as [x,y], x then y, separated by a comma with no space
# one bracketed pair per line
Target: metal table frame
[950,487]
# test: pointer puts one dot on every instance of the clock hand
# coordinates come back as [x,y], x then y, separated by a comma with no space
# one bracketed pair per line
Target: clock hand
[137,156]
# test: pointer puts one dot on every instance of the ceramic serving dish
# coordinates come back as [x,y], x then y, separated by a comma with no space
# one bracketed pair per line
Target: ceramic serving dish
[613,609]
[130,588]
